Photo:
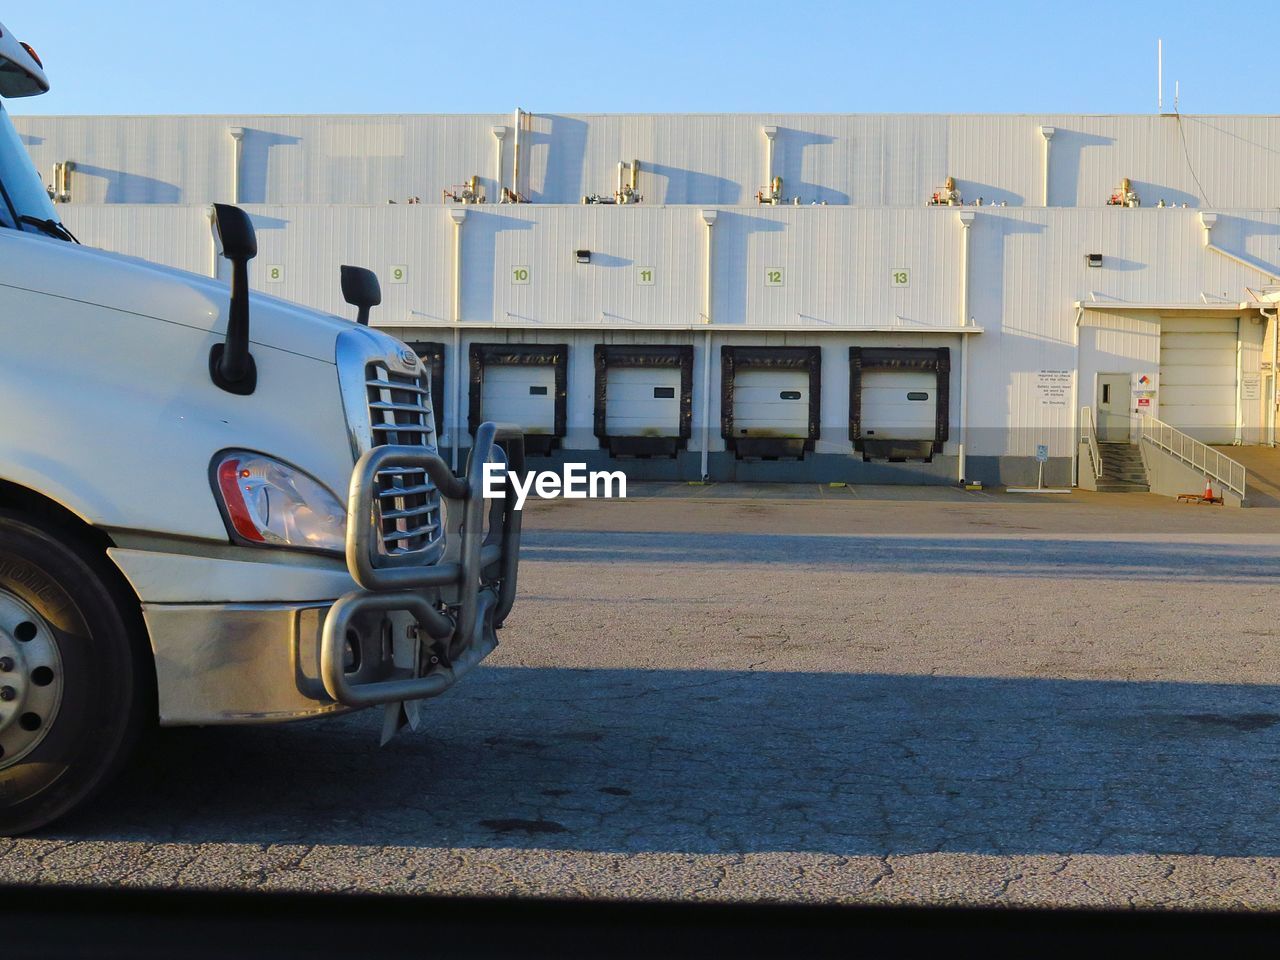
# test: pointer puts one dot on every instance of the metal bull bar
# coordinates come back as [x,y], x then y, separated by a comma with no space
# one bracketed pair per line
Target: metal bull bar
[457,603]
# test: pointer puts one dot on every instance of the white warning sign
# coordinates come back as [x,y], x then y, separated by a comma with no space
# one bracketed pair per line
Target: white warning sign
[1054,388]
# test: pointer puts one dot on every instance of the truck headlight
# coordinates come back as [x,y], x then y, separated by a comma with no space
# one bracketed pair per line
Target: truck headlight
[267,502]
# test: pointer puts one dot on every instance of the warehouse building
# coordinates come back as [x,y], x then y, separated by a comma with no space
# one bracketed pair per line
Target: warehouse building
[857,298]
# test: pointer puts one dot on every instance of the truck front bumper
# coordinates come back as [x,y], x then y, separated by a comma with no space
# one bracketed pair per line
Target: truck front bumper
[397,632]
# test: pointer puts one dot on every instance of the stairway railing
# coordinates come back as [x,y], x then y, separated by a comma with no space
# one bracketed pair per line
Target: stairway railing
[1214,465]
[1089,434]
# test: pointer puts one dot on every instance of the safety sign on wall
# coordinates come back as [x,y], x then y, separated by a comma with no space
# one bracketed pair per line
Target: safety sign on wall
[1054,387]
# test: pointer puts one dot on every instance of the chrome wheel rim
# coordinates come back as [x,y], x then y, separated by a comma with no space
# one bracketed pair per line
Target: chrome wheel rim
[31,678]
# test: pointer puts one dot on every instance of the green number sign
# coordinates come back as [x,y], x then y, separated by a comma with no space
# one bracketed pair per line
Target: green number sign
[519,274]
[275,273]
[773,277]
[900,277]
[644,276]
[399,273]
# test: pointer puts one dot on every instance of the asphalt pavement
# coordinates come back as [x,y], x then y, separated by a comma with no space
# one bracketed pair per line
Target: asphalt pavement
[1022,705]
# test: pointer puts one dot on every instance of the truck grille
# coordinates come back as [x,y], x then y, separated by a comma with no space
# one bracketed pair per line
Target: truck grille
[411,517]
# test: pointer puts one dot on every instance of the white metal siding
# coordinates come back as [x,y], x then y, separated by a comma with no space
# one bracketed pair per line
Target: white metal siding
[1198,377]
[520,394]
[634,406]
[761,410]
[861,159]
[889,411]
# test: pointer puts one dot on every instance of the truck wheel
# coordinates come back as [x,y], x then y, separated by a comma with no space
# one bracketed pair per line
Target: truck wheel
[71,700]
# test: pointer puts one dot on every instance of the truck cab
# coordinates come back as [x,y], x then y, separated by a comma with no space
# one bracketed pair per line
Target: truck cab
[215,506]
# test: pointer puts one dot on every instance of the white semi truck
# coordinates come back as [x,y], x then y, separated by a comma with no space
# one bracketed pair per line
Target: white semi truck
[215,506]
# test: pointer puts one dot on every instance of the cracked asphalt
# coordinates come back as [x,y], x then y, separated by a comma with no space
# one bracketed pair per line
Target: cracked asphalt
[979,701]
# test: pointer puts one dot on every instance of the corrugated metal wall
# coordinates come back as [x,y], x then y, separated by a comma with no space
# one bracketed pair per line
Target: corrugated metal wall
[1027,269]
[863,160]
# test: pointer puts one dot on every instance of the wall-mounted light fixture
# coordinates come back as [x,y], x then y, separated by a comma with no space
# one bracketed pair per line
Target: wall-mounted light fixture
[582,256]
[1093,259]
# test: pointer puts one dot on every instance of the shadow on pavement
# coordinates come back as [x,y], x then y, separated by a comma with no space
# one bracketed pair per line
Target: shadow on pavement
[706,762]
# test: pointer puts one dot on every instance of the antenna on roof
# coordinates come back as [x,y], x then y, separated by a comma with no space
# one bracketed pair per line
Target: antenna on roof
[1160,75]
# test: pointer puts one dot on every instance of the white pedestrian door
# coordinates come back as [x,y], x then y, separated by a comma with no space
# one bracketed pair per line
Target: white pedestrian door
[1198,376]
[520,394]
[771,403]
[900,404]
[642,402]
[1113,407]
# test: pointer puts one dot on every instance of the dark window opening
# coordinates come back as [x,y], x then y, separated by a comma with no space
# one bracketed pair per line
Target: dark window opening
[790,395]
[914,395]
[1106,393]
[537,391]
[664,393]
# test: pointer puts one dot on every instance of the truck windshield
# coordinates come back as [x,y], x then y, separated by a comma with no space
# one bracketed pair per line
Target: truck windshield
[24,203]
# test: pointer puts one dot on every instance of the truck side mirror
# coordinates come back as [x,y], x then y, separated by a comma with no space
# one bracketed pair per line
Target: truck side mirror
[361,289]
[231,365]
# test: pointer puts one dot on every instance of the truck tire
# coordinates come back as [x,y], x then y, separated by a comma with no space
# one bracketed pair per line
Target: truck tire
[72,696]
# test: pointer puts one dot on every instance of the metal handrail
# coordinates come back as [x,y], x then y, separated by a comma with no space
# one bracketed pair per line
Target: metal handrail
[1090,435]
[1229,473]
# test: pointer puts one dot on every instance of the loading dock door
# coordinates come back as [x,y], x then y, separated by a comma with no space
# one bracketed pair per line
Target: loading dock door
[643,402]
[1198,389]
[771,403]
[899,404]
[520,394]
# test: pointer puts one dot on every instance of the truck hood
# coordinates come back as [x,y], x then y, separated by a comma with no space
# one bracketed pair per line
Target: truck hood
[116,282]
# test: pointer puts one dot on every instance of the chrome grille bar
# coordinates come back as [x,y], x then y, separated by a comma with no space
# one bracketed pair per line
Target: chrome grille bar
[407,502]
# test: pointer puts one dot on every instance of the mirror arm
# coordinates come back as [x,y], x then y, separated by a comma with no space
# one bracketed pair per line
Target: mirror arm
[230,363]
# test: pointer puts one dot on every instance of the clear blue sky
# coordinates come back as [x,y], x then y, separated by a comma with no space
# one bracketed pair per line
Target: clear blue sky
[620,56]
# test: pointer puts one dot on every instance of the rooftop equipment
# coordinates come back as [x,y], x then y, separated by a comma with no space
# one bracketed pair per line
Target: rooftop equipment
[60,192]
[469,192]
[948,196]
[1125,196]
[772,194]
[627,189]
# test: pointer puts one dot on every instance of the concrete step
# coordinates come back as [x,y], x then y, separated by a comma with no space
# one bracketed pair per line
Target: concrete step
[1104,487]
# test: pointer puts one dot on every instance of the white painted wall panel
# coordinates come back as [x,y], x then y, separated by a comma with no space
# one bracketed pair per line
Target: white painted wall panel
[859,159]
[1026,272]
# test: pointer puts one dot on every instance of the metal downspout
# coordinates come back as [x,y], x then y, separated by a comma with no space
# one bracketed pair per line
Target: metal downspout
[706,406]
[237,136]
[966,219]
[214,246]
[708,218]
[1075,400]
[455,425]
[1047,133]
[770,136]
[1270,417]
[499,135]
[515,149]
[457,215]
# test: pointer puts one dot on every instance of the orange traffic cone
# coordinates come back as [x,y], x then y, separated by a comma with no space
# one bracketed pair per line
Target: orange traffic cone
[1208,489]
